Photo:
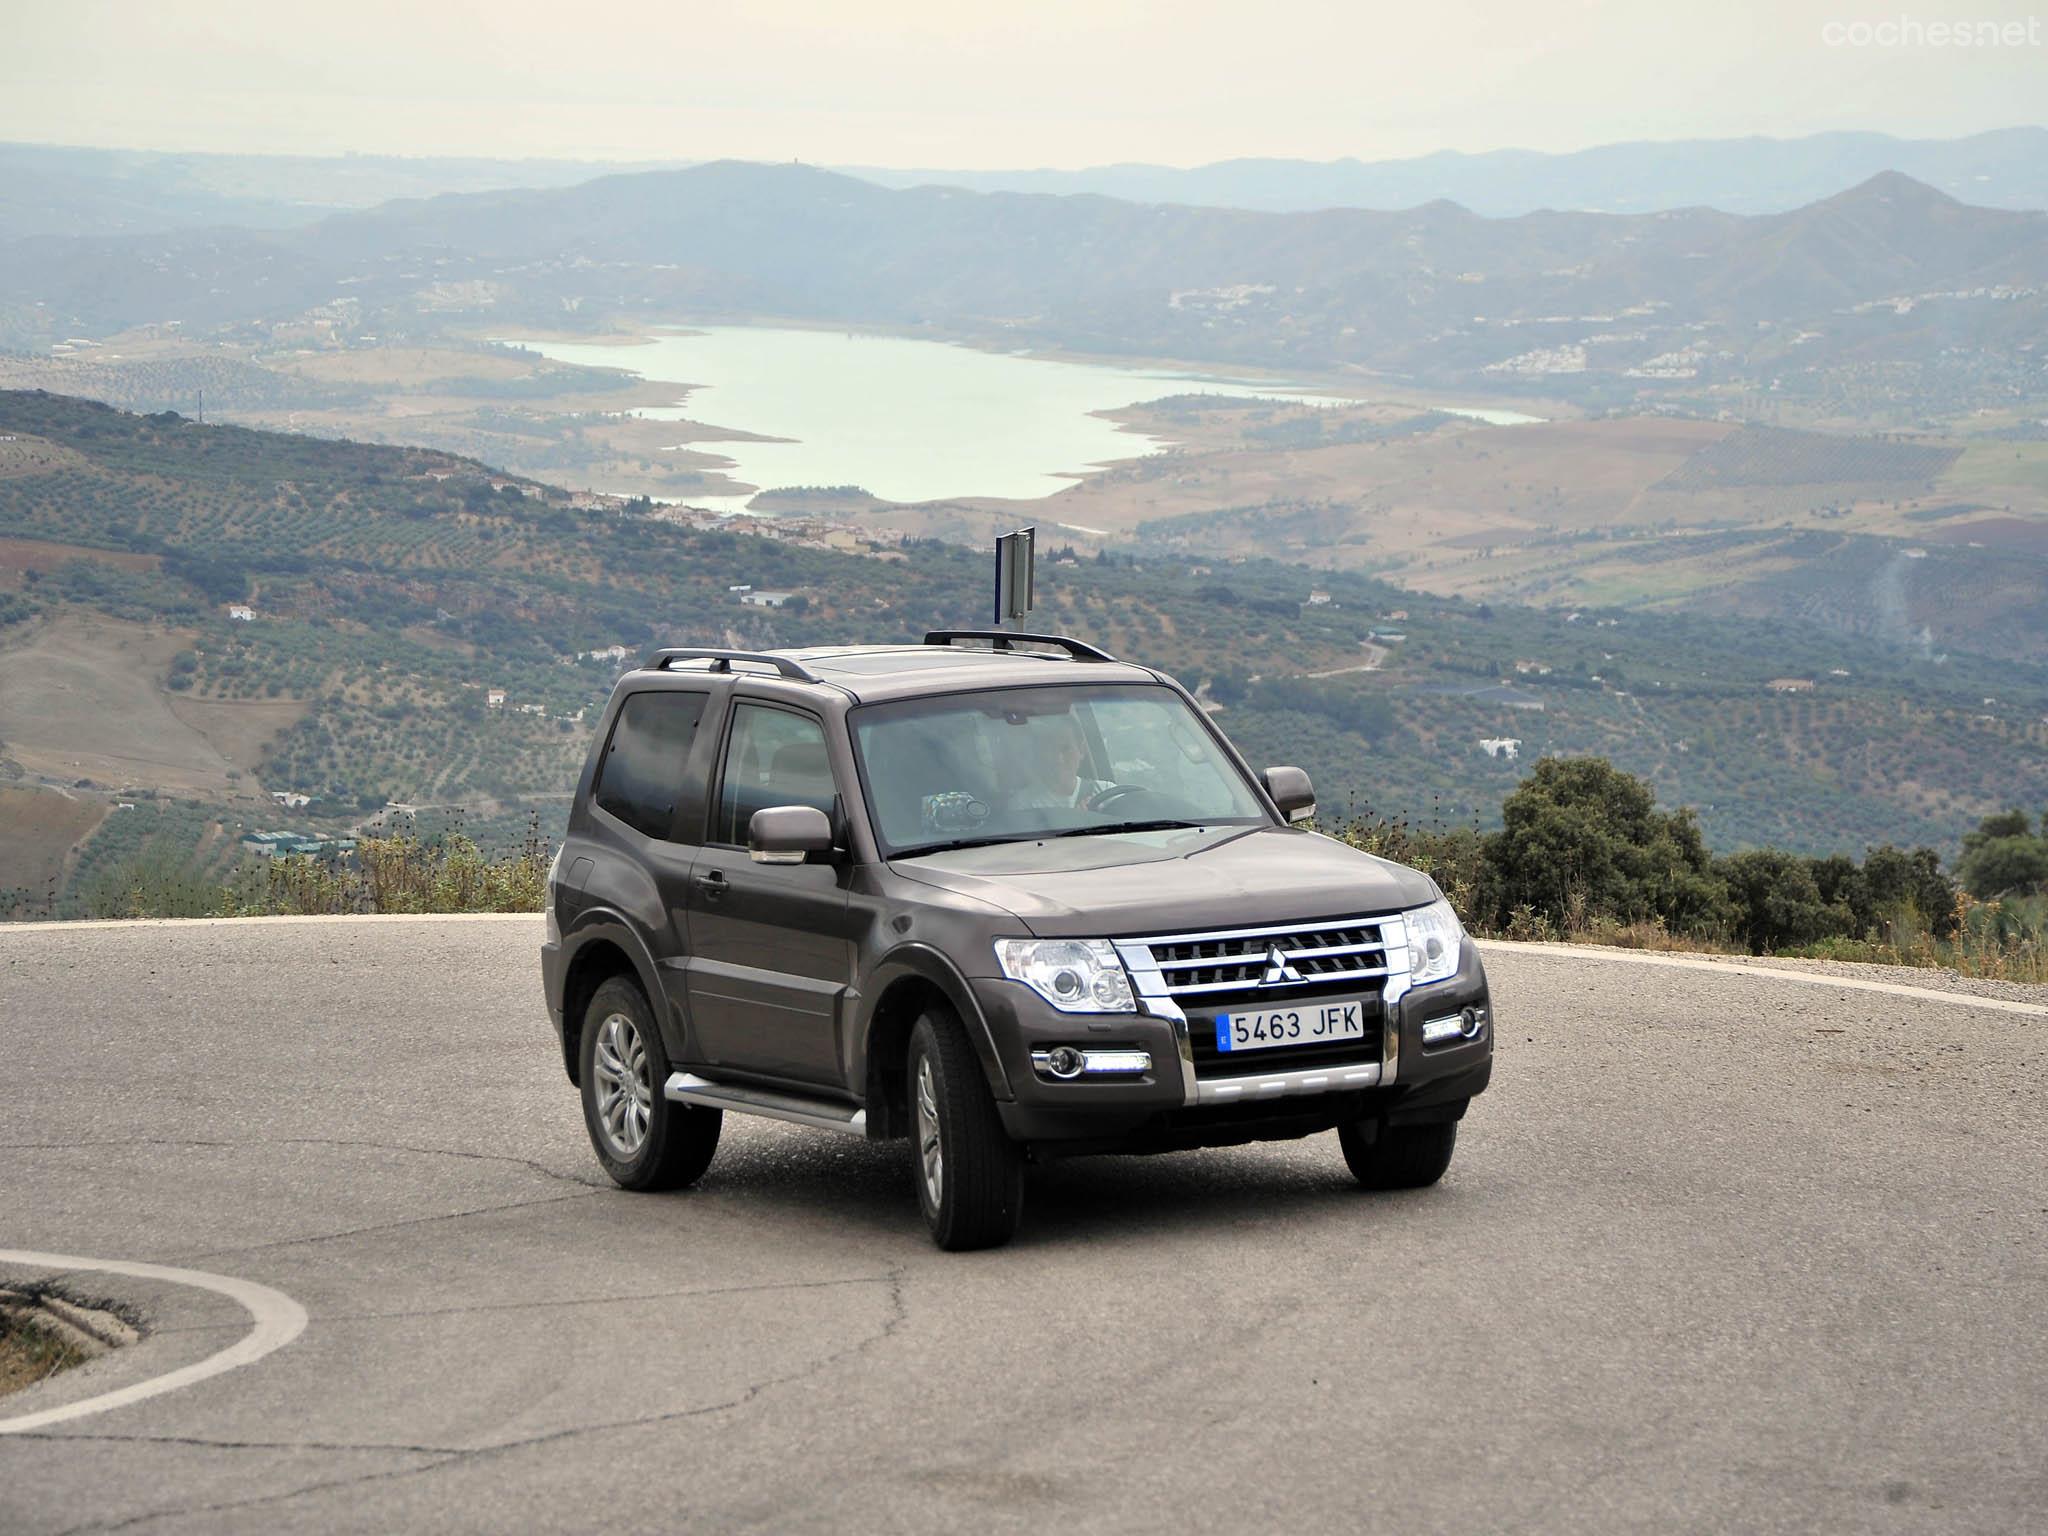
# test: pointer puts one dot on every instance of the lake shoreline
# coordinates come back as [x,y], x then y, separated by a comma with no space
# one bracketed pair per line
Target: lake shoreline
[912,419]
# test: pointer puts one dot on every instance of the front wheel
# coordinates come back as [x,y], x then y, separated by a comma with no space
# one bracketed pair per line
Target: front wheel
[1401,1156]
[970,1175]
[643,1140]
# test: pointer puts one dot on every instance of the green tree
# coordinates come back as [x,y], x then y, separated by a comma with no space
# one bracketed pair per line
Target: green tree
[2003,857]
[1845,892]
[1777,901]
[1582,840]
[2005,866]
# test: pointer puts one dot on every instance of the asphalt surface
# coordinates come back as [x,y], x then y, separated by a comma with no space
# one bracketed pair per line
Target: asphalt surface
[1719,1252]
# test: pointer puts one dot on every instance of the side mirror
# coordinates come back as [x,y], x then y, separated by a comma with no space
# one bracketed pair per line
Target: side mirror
[1291,792]
[786,834]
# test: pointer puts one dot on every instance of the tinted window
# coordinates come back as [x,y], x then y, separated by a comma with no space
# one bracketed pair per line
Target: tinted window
[772,758]
[641,777]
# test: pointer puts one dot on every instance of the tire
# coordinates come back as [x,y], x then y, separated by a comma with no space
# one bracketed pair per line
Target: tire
[1403,1156]
[643,1141]
[969,1174]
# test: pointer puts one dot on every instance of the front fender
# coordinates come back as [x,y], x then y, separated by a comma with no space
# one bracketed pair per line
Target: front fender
[930,965]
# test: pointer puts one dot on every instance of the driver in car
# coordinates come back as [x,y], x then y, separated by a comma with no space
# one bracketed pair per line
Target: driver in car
[1057,782]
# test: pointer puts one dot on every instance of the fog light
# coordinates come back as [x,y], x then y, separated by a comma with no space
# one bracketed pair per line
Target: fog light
[1065,1061]
[1465,1025]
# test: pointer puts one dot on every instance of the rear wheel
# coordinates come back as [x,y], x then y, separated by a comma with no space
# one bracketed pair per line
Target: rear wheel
[970,1175]
[643,1140]
[1401,1156]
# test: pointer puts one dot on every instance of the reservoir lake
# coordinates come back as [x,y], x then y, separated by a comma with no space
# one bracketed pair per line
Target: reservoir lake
[905,419]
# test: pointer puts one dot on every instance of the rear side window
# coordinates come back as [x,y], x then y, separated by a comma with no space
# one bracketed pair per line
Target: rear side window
[641,777]
[772,758]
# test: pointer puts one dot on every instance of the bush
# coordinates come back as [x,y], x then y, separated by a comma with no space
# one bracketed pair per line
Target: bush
[1899,884]
[1777,903]
[1998,861]
[1581,840]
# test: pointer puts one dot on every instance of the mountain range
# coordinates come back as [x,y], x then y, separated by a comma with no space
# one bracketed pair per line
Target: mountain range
[2007,168]
[66,190]
[1891,273]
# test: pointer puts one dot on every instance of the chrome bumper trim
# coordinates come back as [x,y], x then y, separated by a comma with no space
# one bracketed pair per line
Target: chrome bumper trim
[1275,1085]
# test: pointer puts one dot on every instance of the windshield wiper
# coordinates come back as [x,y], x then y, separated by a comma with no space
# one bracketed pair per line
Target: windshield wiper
[918,850]
[1164,824]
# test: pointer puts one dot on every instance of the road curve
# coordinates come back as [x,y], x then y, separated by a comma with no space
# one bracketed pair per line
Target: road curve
[1722,1251]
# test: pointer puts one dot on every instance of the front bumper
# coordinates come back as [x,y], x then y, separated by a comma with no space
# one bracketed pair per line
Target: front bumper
[1397,1077]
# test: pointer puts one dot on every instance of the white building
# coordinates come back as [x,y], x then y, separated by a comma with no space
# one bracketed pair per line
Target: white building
[1507,747]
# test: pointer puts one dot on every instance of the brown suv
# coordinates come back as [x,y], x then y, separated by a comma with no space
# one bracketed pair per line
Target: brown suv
[1001,894]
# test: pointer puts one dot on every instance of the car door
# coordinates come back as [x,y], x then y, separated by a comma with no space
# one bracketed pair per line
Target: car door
[647,800]
[771,945]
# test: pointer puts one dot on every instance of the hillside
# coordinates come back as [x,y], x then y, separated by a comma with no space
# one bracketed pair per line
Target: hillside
[391,591]
[1889,291]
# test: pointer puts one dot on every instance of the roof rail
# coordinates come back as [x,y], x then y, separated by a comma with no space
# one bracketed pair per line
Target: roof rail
[722,660]
[1003,640]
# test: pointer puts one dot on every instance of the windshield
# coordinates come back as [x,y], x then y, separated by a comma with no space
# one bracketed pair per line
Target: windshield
[1017,763]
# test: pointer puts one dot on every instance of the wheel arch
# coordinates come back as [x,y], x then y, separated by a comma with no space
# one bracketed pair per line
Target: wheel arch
[904,986]
[601,951]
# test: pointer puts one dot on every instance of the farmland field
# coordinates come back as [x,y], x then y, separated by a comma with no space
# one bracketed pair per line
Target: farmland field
[38,830]
[79,699]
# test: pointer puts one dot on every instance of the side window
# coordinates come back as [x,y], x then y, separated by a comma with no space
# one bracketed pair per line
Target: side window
[641,776]
[772,758]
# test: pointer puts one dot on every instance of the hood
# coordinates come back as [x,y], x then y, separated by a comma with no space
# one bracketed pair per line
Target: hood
[1172,882]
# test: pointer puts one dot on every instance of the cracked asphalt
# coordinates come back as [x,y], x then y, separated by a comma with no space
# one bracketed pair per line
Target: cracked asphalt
[1719,1252]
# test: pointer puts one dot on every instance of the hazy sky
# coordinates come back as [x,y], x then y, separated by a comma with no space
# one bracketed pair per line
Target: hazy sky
[953,83]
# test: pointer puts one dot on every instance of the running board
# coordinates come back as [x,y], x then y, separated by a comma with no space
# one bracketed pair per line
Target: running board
[823,1114]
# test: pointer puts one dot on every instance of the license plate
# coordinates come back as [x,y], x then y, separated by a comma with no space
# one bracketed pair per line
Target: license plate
[1304,1024]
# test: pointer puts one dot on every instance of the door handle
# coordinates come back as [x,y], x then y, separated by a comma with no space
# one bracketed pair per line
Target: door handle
[712,884]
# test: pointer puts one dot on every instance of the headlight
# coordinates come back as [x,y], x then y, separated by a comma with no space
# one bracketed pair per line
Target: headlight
[1435,939]
[1074,975]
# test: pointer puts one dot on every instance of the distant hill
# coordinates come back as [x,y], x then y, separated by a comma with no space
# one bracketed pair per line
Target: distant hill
[1889,273]
[53,189]
[2003,169]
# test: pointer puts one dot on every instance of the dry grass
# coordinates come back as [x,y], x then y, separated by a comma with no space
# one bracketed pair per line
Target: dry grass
[1998,941]
[400,873]
[29,1353]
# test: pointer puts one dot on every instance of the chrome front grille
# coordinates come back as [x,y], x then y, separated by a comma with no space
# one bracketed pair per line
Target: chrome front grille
[1207,966]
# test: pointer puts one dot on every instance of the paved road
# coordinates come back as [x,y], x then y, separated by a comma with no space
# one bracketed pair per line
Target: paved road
[1719,1253]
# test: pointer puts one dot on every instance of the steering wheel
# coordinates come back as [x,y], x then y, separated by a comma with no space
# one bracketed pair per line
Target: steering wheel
[1104,799]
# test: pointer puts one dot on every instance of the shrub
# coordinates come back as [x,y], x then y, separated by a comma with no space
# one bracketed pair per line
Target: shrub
[1580,839]
[1777,903]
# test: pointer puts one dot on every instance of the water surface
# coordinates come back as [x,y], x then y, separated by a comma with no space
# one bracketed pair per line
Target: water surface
[905,419]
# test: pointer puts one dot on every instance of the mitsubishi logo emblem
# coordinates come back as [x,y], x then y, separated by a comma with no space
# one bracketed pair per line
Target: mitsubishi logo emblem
[1278,968]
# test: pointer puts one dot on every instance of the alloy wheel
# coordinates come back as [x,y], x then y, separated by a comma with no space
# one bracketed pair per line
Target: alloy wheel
[625,1091]
[930,1145]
